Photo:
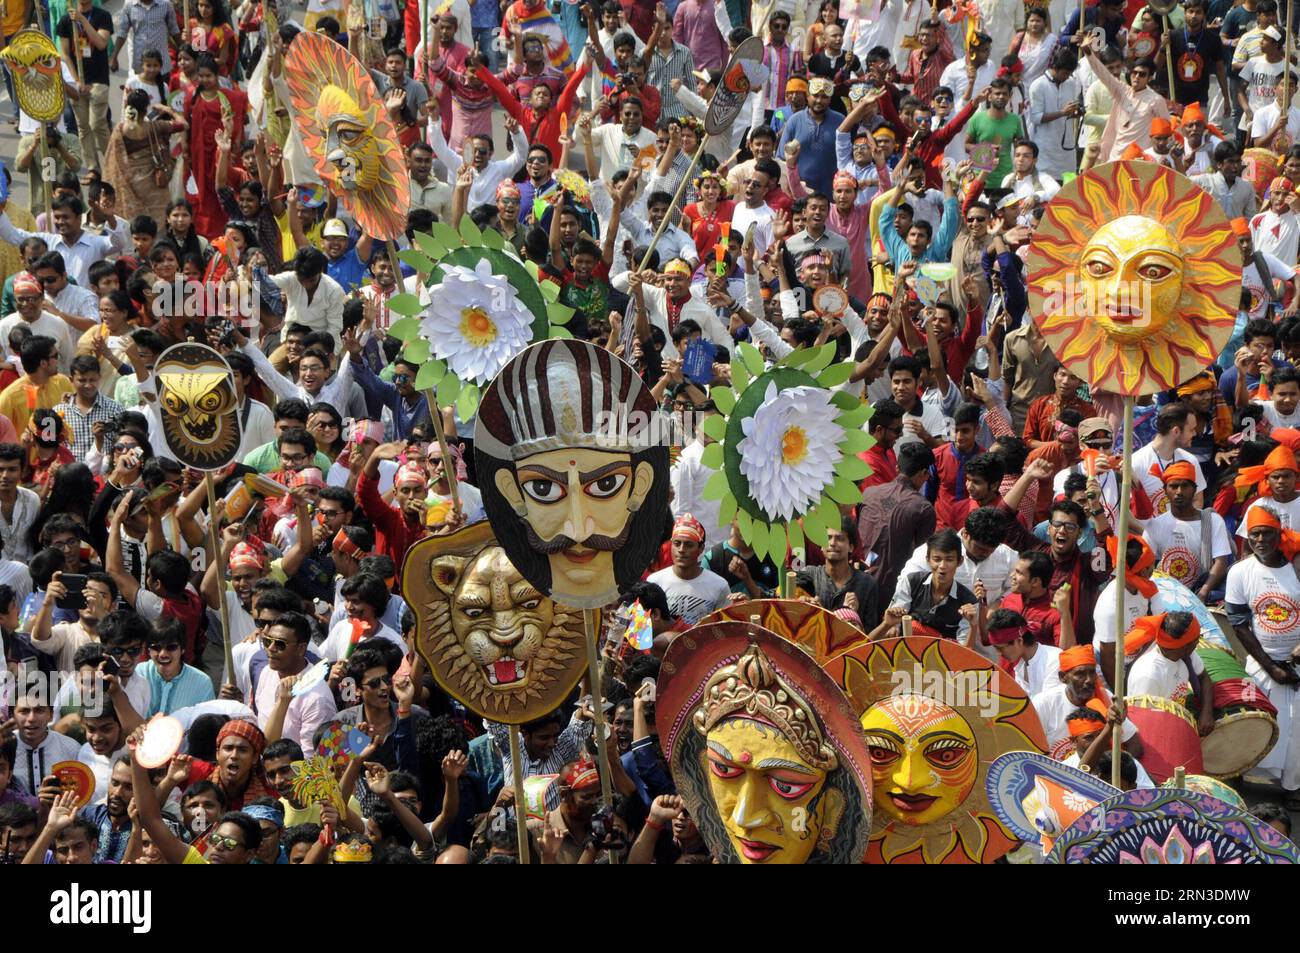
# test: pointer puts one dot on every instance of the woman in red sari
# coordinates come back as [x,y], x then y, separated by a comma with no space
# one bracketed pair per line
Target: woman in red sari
[211,32]
[209,108]
[703,219]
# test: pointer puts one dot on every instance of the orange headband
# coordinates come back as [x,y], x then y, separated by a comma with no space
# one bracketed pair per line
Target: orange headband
[1086,726]
[1282,458]
[1182,470]
[1151,628]
[1263,516]
[1148,559]
[1079,655]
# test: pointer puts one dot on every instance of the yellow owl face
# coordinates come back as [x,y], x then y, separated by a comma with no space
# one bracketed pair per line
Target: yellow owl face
[196,394]
[33,60]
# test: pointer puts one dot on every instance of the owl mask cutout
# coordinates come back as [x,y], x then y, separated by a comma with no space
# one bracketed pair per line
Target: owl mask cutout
[198,406]
[33,60]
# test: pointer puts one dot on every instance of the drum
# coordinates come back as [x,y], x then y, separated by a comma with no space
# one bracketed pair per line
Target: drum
[1168,734]
[1259,168]
[1203,784]
[1245,721]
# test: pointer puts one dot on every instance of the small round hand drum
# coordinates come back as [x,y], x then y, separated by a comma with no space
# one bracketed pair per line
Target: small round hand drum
[162,739]
[75,777]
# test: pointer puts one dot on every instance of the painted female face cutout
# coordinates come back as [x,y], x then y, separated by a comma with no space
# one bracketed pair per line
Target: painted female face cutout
[769,798]
[924,759]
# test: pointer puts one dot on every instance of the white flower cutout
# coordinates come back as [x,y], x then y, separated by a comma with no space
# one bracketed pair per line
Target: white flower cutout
[475,322]
[790,450]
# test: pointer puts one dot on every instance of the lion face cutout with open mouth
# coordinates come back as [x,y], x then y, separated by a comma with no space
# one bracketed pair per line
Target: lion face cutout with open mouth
[198,406]
[489,636]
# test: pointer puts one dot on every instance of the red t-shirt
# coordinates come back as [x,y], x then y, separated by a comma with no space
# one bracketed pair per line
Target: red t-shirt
[1044,621]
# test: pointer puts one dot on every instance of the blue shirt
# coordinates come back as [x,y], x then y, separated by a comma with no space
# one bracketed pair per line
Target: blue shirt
[380,393]
[817,162]
[940,245]
[349,271]
[485,14]
[188,688]
[112,840]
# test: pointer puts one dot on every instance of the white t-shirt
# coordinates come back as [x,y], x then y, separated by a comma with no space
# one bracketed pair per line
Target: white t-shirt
[1054,706]
[1266,117]
[1038,673]
[743,216]
[692,599]
[931,418]
[1260,77]
[1288,513]
[102,766]
[1153,674]
[1273,596]
[1254,283]
[1275,234]
[1177,544]
[1146,460]
[1136,605]
[1277,419]
[335,647]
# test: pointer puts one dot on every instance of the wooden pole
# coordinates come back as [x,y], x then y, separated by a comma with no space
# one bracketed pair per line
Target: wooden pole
[1121,566]
[424,46]
[1169,61]
[521,812]
[1286,72]
[672,205]
[214,539]
[47,175]
[591,621]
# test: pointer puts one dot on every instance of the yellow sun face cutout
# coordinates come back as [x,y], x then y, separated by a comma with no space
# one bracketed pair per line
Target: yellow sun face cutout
[1133,278]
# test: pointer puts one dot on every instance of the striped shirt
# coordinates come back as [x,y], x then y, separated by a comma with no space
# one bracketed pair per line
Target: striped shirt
[568,747]
[83,424]
[678,64]
[151,26]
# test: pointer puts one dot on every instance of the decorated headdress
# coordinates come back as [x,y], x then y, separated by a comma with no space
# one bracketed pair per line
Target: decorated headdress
[347,547]
[709,174]
[537,406]
[508,187]
[741,680]
[752,687]
[582,774]
[677,267]
[687,526]
[410,474]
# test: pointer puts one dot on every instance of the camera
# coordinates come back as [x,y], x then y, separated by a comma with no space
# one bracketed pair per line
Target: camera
[604,834]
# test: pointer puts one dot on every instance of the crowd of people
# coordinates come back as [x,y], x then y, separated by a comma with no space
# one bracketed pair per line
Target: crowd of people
[886,136]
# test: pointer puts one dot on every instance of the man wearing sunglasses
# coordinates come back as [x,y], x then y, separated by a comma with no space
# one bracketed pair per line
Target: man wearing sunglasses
[298,715]
[173,685]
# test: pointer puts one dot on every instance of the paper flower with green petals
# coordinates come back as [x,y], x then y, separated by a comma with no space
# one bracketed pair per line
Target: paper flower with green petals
[786,448]
[478,308]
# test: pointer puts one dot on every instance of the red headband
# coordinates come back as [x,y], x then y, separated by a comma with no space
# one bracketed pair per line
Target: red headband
[347,547]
